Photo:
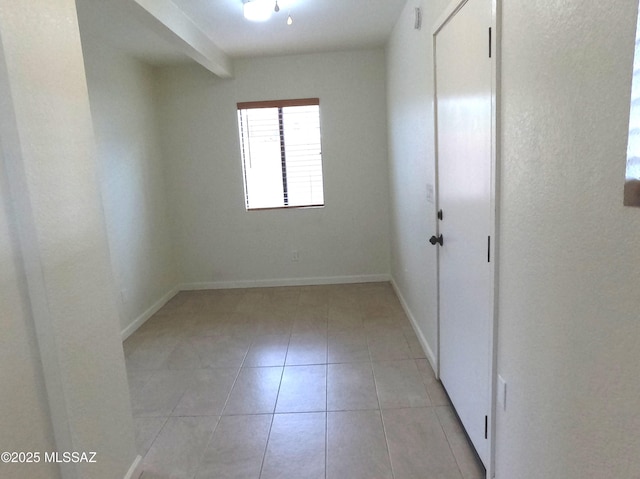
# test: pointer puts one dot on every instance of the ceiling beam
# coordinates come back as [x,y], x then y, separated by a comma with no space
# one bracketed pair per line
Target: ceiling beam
[167,20]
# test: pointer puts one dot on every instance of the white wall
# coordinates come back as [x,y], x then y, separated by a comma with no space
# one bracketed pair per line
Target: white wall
[568,256]
[121,91]
[218,243]
[569,303]
[49,158]
[24,409]
[412,167]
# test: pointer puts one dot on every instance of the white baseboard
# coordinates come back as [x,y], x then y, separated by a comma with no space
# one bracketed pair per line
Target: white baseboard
[423,341]
[140,320]
[266,283]
[135,471]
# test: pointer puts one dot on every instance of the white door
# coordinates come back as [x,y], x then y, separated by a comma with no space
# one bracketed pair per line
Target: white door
[464,141]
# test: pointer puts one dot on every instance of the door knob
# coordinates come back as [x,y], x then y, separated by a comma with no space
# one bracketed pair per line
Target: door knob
[434,240]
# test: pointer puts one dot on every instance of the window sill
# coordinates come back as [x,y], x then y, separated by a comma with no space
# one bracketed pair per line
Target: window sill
[286,208]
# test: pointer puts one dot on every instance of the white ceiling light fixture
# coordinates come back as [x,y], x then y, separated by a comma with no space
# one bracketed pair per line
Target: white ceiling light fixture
[257,10]
[261,10]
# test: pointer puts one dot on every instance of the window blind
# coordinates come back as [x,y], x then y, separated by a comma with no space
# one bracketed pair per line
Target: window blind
[633,145]
[281,153]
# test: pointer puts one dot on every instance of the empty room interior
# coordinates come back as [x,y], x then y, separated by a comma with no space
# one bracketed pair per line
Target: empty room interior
[327,240]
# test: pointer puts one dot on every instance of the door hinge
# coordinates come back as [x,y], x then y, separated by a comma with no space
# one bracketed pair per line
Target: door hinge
[439,214]
[486,427]
[489,42]
[488,249]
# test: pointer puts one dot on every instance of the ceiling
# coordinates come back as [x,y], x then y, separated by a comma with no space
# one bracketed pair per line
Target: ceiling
[318,25]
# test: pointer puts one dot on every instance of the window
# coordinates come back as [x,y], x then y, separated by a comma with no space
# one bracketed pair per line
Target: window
[632,177]
[281,153]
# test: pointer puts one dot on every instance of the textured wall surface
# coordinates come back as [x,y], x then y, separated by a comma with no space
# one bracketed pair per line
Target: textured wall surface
[50,159]
[569,304]
[25,414]
[217,241]
[568,258]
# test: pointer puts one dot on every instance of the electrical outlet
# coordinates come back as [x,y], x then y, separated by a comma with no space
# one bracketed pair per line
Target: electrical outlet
[295,256]
[502,393]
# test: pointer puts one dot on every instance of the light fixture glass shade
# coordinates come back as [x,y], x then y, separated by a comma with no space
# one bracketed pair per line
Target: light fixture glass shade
[257,10]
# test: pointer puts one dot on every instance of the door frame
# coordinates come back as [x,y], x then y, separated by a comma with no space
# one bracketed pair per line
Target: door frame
[449,12]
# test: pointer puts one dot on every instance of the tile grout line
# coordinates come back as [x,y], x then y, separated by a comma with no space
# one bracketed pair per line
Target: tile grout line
[166,419]
[266,443]
[386,443]
[235,380]
[208,442]
[204,449]
[446,436]
[326,402]
[384,429]
[275,404]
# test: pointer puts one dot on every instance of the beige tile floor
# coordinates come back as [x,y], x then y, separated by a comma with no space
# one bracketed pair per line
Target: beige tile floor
[293,383]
